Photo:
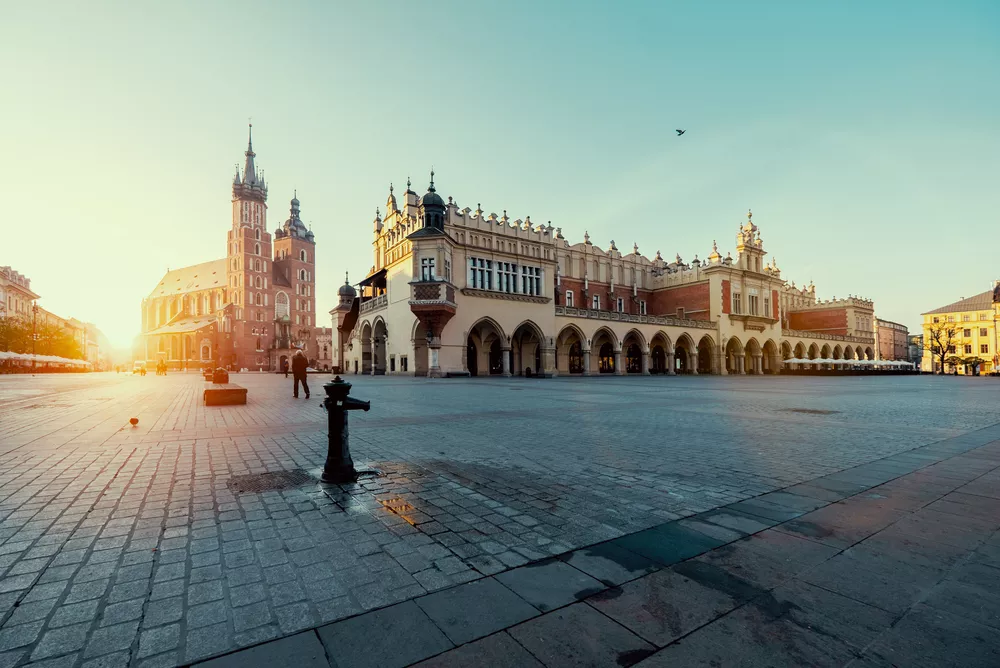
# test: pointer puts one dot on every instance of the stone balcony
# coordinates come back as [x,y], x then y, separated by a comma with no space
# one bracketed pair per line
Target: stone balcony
[375,303]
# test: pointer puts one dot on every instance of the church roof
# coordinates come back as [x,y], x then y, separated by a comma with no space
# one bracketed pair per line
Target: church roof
[183,325]
[981,302]
[202,276]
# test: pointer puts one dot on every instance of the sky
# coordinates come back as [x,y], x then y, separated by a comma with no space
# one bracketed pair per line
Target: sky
[863,135]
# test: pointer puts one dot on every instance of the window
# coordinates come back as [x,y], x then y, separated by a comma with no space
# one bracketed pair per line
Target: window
[569,298]
[256,234]
[392,363]
[680,312]
[480,273]
[597,303]
[951,318]
[966,332]
[302,256]
[982,331]
[402,362]
[951,349]
[968,349]
[767,307]
[506,277]
[935,319]
[737,305]
[427,269]
[621,305]
[984,347]
[531,280]
[256,249]
[984,316]
[447,270]
[753,302]
[966,318]
[642,307]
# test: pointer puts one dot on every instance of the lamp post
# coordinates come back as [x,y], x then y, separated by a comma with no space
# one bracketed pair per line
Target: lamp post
[34,332]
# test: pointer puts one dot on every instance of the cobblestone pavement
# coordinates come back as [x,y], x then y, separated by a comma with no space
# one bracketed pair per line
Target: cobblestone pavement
[122,545]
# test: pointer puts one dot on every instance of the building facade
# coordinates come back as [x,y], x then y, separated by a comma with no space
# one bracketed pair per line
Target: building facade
[966,331]
[251,309]
[16,295]
[892,340]
[460,292]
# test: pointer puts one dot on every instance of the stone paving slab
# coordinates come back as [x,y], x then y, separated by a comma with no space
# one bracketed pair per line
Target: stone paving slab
[123,545]
[770,598]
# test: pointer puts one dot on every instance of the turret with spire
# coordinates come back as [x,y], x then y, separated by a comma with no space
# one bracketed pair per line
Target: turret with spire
[249,185]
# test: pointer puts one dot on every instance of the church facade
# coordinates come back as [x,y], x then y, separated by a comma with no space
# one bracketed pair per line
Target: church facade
[251,309]
[460,292]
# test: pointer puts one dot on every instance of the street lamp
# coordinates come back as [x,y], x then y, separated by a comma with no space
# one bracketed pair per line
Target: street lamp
[34,331]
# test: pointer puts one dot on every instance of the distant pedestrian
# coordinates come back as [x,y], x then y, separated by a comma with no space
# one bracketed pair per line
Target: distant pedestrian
[284,367]
[299,365]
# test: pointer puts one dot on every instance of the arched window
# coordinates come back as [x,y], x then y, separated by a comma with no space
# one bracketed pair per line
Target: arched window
[257,282]
[302,256]
[256,265]
[607,358]
[256,249]
[258,301]
[280,305]
[256,234]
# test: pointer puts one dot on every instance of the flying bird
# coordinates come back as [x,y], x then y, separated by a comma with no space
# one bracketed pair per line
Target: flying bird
[680,132]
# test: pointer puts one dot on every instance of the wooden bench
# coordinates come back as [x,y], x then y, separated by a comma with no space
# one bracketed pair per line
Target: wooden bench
[228,394]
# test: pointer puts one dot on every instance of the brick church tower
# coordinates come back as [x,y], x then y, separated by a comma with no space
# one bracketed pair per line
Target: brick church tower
[294,288]
[247,325]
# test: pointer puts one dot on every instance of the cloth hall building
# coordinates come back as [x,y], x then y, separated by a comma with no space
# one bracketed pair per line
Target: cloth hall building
[454,291]
[251,309]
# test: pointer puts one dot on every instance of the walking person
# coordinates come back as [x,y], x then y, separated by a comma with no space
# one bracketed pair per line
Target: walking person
[299,364]
[284,367]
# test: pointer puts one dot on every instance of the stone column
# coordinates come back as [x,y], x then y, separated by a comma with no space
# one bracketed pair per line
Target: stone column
[433,363]
[693,356]
[741,363]
[505,361]
[619,367]
[645,362]
[548,369]
[670,364]
[374,346]
[758,364]
[586,361]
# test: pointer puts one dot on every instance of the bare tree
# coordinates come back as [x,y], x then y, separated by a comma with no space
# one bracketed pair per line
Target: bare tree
[940,341]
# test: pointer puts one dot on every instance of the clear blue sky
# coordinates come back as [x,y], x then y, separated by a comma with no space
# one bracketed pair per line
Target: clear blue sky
[863,135]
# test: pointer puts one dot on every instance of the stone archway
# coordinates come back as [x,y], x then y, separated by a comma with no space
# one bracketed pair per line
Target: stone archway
[706,355]
[487,345]
[571,352]
[659,354]
[771,361]
[604,348]
[752,358]
[380,336]
[526,350]
[734,357]
[366,348]
[633,349]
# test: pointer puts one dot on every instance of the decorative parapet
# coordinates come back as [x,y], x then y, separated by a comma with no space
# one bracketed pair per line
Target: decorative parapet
[795,333]
[475,292]
[640,319]
[375,303]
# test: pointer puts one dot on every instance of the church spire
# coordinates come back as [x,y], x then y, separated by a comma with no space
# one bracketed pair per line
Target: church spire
[250,170]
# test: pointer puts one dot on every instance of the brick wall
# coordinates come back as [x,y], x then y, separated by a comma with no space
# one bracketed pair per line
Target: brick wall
[826,321]
[694,299]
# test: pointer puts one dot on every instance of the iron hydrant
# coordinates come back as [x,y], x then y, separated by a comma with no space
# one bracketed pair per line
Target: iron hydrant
[339,466]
